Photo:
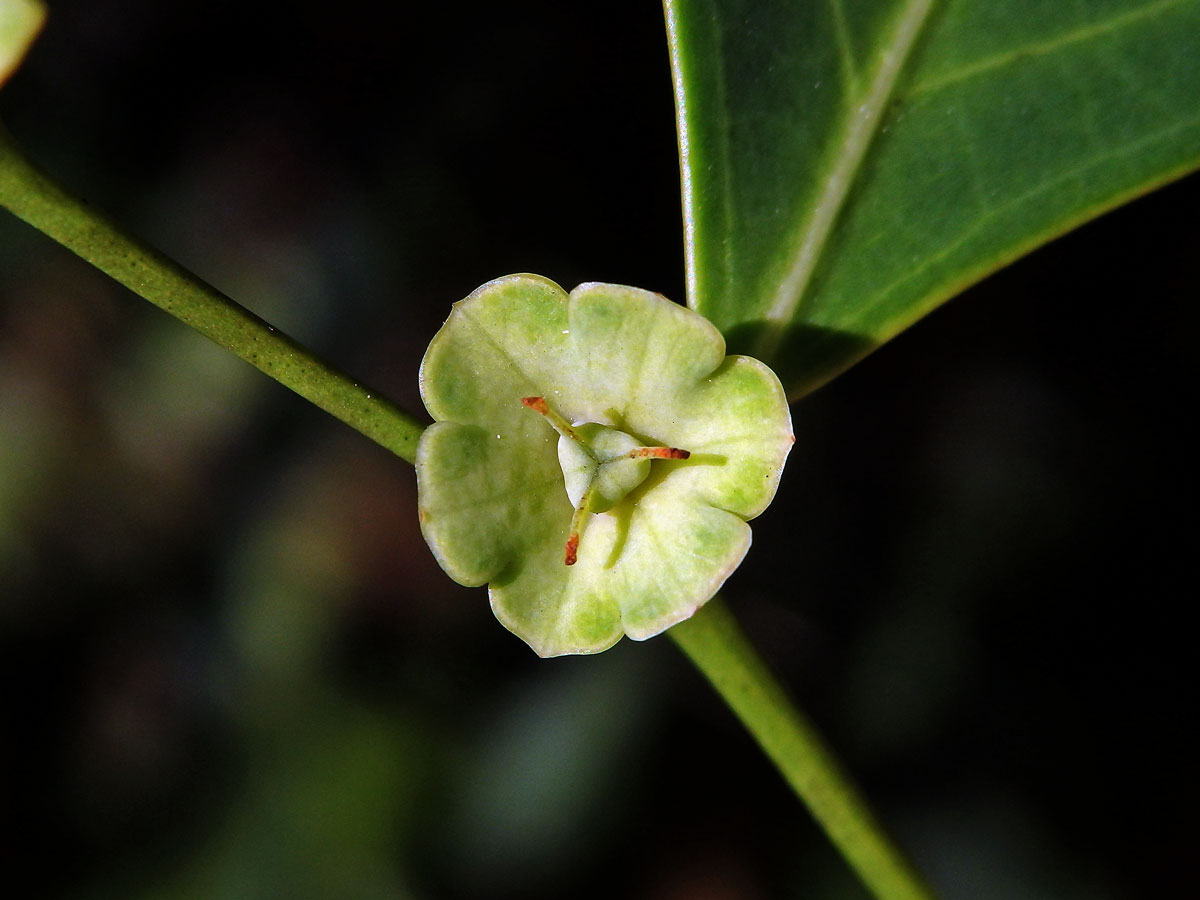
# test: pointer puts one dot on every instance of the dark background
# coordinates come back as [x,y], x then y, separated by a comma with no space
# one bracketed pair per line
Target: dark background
[231,668]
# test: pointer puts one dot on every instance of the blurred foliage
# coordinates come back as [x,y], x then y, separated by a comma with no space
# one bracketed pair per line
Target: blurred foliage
[235,671]
[20,21]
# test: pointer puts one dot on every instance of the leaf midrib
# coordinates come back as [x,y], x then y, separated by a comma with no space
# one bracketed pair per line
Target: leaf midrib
[857,130]
[954,286]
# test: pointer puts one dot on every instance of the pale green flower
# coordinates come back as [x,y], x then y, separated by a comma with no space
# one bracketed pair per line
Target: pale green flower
[609,419]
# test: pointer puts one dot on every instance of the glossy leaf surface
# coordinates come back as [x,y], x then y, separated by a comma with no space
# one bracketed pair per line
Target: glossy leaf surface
[495,505]
[848,165]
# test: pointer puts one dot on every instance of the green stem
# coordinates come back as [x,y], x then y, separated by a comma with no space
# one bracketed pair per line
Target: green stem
[34,196]
[714,641]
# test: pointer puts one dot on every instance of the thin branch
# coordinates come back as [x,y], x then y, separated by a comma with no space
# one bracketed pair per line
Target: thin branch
[32,195]
[718,647]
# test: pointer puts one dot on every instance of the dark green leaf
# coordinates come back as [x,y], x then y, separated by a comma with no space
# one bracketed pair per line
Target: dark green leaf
[851,164]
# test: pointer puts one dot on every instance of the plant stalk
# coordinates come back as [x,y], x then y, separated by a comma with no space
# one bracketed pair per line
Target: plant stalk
[716,644]
[32,195]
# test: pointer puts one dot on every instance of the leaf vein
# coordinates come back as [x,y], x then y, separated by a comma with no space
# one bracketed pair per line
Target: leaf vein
[1089,32]
[845,50]
[858,129]
[1074,173]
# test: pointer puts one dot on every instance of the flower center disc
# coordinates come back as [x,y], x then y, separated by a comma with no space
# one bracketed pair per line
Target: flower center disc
[600,460]
[600,466]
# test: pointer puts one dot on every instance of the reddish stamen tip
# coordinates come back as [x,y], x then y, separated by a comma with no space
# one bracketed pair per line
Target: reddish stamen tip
[572,553]
[537,404]
[659,453]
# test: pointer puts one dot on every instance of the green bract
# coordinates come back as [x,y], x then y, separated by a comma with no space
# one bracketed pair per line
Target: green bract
[609,418]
